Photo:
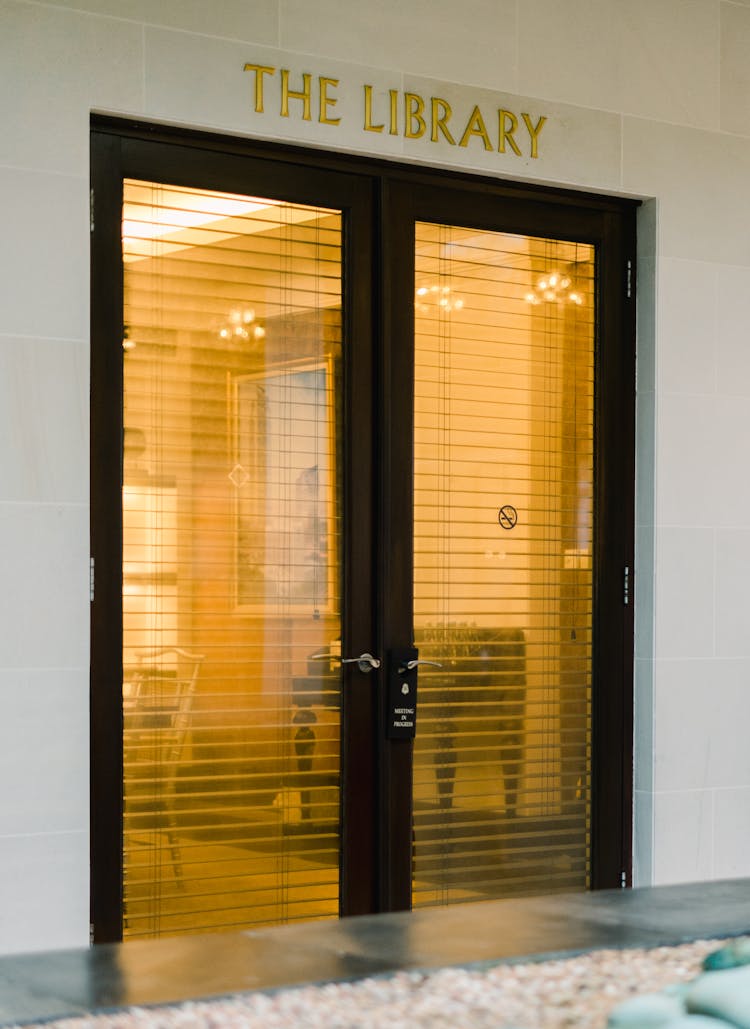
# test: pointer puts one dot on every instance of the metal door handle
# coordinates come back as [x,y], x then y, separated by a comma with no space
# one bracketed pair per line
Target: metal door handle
[409,666]
[365,662]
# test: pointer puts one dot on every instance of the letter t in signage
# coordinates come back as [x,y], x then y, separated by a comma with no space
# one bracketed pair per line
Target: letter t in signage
[260,70]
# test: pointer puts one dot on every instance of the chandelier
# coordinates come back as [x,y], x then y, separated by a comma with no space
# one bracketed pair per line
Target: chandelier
[439,296]
[242,325]
[554,288]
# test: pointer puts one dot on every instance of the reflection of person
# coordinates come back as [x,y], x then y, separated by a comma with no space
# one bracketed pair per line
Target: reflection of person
[306,486]
[310,542]
[304,747]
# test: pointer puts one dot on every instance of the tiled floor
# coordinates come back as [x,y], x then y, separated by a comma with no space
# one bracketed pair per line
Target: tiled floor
[253,889]
[152,972]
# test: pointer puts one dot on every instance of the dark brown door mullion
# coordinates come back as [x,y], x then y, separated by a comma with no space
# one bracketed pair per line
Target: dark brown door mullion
[106,542]
[359,787]
[613,641]
[396,614]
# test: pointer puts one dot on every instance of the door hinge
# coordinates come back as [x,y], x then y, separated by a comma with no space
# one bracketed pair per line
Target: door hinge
[91,934]
[623,880]
[91,210]
[91,580]
[626,585]
[628,279]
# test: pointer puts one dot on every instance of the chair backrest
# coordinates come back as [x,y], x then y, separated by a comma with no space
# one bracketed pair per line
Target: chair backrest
[158,691]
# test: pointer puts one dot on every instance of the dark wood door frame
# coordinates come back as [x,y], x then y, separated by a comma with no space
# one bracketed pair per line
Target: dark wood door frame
[115,158]
[382,201]
[612,232]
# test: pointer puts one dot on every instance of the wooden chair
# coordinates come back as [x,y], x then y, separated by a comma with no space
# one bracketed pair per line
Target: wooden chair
[158,690]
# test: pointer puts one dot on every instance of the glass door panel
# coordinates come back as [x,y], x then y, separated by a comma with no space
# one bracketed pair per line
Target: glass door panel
[290,472]
[503,495]
[231,508]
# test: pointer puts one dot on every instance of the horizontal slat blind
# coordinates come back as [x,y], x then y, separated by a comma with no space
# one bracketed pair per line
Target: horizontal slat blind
[231,557]
[504,380]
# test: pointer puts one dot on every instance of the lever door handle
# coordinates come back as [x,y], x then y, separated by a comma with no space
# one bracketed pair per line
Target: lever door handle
[365,662]
[409,666]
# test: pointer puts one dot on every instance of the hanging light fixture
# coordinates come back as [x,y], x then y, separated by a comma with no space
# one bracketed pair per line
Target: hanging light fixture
[554,288]
[242,326]
[441,297]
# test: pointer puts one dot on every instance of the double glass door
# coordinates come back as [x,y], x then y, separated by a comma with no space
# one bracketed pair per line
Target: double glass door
[349,531]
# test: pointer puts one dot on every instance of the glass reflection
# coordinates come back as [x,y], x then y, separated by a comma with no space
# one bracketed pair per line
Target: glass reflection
[504,359]
[231,543]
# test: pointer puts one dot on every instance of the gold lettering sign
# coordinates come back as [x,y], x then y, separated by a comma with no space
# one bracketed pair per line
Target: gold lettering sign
[404,113]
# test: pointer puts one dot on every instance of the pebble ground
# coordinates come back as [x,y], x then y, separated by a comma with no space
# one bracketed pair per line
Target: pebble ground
[579,991]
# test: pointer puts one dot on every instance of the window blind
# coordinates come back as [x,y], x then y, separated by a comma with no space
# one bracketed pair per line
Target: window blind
[504,403]
[231,559]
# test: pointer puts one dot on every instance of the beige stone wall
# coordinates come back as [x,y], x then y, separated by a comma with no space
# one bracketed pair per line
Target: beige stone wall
[643,99]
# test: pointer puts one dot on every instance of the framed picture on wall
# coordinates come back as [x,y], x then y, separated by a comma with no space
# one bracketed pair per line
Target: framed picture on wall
[284,477]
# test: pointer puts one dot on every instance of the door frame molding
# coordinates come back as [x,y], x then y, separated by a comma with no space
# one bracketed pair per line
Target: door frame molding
[115,158]
[459,202]
[388,194]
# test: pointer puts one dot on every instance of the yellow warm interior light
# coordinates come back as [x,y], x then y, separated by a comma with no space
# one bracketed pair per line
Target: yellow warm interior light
[503,579]
[231,371]
[180,218]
